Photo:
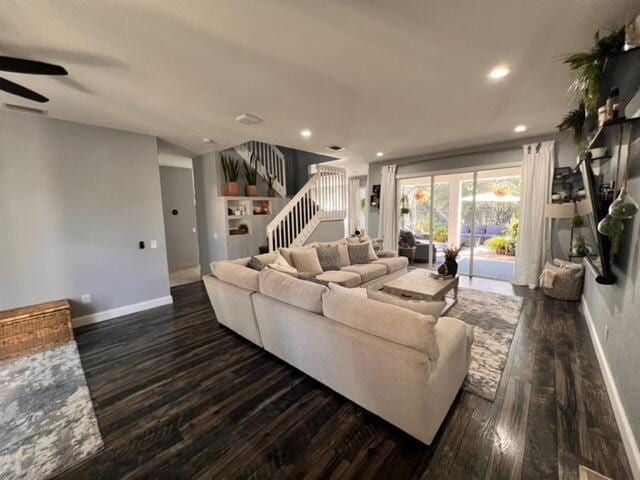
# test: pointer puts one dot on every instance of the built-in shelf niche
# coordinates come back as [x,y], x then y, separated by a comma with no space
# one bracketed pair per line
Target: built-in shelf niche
[240,211]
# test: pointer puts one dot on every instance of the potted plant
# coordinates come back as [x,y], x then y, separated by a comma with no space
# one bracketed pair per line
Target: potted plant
[251,177]
[450,255]
[577,221]
[404,205]
[588,67]
[271,192]
[231,173]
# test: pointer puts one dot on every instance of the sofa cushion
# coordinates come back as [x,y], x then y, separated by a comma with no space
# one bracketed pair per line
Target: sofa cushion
[291,290]
[329,257]
[255,264]
[359,254]
[286,253]
[393,264]
[393,323]
[346,279]
[356,292]
[236,274]
[267,258]
[372,252]
[425,307]
[281,265]
[367,272]
[306,261]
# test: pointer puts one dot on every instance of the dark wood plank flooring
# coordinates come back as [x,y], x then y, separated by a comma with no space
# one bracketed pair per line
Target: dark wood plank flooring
[179,396]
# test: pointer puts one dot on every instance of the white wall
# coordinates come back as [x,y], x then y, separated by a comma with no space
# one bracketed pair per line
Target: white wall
[75,201]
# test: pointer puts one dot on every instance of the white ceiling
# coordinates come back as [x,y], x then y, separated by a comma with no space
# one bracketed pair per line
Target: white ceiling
[402,77]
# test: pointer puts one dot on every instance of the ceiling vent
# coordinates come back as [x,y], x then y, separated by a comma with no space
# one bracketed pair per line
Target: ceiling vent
[336,148]
[248,119]
[23,109]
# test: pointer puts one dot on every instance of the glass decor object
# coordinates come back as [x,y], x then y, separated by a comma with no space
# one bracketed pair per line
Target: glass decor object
[624,207]
[612,227]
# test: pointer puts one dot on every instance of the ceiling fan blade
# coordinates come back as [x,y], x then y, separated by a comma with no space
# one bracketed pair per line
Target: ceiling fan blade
[32,67]
[19,90]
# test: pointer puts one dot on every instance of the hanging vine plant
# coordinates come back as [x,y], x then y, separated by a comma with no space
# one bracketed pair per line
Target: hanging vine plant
[574,122]
[588,67]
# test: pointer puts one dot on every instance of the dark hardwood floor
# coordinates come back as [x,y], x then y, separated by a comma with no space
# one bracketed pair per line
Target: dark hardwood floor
[179,396]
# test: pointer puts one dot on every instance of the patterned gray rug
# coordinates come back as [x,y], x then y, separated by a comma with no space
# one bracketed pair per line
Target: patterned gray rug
[494,319]
[47,422]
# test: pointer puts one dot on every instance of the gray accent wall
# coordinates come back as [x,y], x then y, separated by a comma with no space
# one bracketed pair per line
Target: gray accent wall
[618,308]
[181,238]
[298,163]
[208,181]
[75,200]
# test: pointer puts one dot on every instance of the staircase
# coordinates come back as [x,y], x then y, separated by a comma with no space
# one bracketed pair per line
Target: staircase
[323,198]
[270,160]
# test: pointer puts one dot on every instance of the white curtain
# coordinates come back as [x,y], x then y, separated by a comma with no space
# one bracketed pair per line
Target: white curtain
[354,205]
[388,228]
[534,234]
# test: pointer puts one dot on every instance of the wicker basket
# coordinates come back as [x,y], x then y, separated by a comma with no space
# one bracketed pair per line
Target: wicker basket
[31,329]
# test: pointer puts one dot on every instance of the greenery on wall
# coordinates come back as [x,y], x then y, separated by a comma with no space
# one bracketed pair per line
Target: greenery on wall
[587,68]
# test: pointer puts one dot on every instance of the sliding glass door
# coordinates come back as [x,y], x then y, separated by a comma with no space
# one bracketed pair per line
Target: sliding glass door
[477,210]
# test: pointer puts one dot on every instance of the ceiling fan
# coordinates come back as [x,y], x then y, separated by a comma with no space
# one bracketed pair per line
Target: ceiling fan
[30,67]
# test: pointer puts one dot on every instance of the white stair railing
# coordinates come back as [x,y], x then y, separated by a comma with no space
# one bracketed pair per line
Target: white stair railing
[324,197]
[270,162]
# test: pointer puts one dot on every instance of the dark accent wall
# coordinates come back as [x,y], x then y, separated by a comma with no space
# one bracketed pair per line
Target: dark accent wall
[298,163]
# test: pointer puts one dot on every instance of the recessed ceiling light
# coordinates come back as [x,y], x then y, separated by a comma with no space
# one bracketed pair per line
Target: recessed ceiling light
[208,140]
[379,154]
[520,128]
[306,133]
[499,71]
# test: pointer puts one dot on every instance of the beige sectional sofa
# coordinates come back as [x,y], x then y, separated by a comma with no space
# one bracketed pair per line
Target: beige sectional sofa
[401,365]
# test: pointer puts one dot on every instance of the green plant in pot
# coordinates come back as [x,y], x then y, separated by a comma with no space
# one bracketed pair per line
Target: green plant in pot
[251,177]
[588,67]
[577,221]
[404,205]
[231,173]
[450,265]
[272,191]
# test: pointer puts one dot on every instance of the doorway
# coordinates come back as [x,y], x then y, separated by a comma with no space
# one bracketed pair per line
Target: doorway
[477,210]
[178,206]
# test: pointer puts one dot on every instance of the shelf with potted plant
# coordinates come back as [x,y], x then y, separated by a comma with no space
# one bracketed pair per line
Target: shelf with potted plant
[605,77]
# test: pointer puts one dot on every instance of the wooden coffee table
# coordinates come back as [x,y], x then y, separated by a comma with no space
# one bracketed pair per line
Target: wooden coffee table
[420,285]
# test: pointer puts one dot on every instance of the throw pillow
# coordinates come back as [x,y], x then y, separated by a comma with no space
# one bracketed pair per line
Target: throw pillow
[344,255]
[282,265]
[425,307]
[359,254]
[353,240]
[255,264]
[356,292]
[306,260]
[372,252]
[329,257]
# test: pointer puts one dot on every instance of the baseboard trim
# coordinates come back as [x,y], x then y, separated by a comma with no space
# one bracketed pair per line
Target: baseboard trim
[120,311]
[628,439]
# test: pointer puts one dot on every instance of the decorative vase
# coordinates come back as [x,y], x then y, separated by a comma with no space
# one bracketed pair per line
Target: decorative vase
[251,190]
[272,192]
[231,189]
[452,266]
[624,207]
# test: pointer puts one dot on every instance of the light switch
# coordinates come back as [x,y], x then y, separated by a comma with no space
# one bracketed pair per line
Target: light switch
[154,244]
[86,298]
[194,229]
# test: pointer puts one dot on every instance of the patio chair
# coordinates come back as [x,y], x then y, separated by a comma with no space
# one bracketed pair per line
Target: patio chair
[421,254]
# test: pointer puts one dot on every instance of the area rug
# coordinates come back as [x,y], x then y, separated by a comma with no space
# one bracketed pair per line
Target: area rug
[47,422]
[494,319]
